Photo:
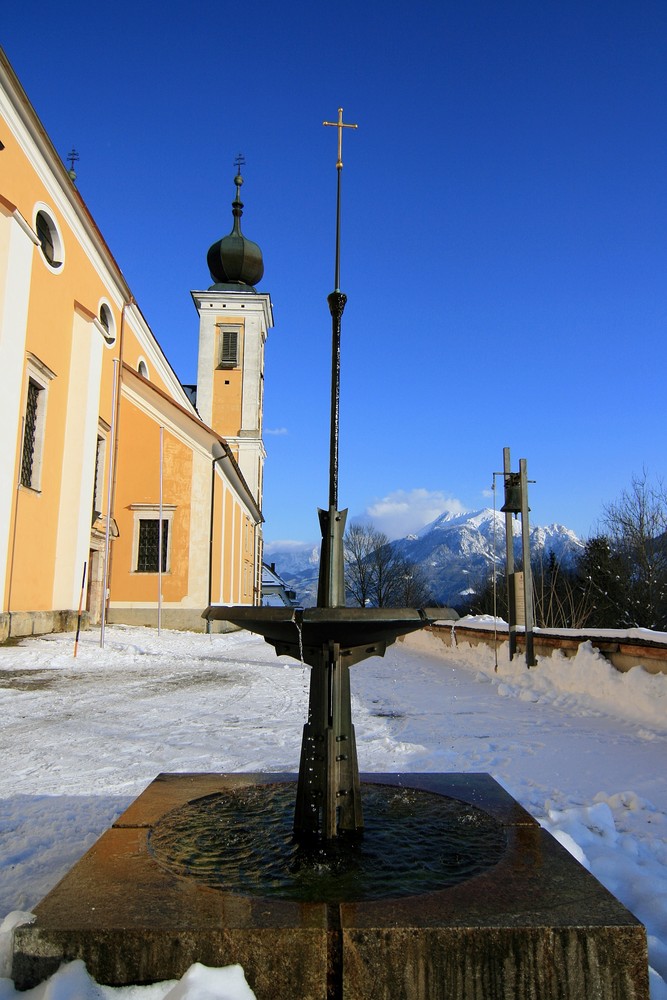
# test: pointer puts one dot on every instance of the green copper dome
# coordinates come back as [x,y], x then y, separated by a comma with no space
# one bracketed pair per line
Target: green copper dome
[234,261]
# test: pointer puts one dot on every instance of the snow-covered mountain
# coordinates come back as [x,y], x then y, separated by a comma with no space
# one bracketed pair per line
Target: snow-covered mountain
[455,552]
[298,565]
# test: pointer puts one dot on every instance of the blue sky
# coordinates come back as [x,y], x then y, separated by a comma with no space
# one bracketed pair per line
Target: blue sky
[503,240]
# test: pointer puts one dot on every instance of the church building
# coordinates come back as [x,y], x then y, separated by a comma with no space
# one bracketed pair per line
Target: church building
[122,491]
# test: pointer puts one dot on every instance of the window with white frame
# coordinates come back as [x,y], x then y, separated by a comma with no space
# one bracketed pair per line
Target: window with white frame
[34,422]
[148,546]
[150,540]
[50,241]
[108,324]
[229,344]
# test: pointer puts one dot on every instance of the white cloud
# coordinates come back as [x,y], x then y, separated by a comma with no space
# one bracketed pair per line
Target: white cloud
[276,430]
[405,511]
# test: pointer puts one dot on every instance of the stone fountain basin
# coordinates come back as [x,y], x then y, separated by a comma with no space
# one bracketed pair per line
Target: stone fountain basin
[535,925]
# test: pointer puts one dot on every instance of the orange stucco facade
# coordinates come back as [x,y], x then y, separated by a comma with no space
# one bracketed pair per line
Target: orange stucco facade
[97,436]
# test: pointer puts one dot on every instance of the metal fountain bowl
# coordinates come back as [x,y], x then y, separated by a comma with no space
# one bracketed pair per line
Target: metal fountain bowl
[302,632]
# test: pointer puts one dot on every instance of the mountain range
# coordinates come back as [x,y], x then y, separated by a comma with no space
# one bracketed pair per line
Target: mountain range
[455,553]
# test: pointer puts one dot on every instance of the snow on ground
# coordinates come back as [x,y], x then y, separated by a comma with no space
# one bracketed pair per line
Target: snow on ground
[581,746]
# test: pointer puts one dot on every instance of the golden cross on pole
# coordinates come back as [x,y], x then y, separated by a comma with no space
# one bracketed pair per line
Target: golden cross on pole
[340,125]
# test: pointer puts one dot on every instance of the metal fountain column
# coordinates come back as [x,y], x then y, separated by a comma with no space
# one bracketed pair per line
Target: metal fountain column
[328,799]
[330,637]
[331,589]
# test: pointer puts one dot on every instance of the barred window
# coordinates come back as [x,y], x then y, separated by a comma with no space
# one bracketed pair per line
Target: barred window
[99,477]
[28,459]
[149,545]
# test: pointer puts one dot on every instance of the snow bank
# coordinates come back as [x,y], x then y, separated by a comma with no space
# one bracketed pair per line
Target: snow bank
[584,683]
[200,982]
[581,746]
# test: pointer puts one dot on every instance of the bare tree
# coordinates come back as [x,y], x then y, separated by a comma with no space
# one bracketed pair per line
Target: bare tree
[360,544]
[377,575]
[388,570]
[561,595]
[412,587]
[561,598]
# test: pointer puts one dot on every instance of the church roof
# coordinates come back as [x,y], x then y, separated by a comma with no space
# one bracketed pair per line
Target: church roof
[234,261]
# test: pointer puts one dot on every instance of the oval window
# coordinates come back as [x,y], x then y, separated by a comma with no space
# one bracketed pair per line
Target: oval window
[49,239]
[107,323]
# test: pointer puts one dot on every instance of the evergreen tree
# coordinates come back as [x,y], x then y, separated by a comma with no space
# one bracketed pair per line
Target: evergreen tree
[602,574]
[636,525]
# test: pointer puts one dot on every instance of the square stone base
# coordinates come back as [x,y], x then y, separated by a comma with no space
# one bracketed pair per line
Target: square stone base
[536,926]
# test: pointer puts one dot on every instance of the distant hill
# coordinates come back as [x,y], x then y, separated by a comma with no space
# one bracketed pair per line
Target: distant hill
[455,552]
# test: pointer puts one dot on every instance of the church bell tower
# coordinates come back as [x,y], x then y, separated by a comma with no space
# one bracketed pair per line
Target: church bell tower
[234,320]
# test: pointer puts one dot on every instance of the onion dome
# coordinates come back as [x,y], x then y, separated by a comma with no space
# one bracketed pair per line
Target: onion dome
[234,261]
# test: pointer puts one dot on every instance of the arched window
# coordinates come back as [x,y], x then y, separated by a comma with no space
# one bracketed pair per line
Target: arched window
[142,368]
[50,241]
[108,324]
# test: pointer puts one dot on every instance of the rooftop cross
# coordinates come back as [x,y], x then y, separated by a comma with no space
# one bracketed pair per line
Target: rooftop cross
[239,162]
[336,302]
[73,157]
[340,125]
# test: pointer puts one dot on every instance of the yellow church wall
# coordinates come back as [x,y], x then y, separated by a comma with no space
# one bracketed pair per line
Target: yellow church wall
[232,587]
[133,350]
[234,553]
[38,511]
[248,560]
[230,580]
[52,317]
[77,473]
[138,485]
[136,348]
[227,401]
[50,321]
[228,382]
[178,490]
[53,292]
[217,550]
[205,463]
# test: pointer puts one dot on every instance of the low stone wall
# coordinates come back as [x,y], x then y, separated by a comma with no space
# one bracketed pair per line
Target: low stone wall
[19,624]
[623,654]
[180,619]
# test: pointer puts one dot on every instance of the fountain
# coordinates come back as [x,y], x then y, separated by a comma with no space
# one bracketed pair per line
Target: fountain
[446,888]
[329,638]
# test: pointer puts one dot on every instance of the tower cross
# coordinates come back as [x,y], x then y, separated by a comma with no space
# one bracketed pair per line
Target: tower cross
[340,125]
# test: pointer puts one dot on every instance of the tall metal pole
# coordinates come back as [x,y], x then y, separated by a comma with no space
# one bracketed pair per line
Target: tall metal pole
[107,530]
[331,587]
[527,574]
[159,537]
[336,302]
[509,563]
